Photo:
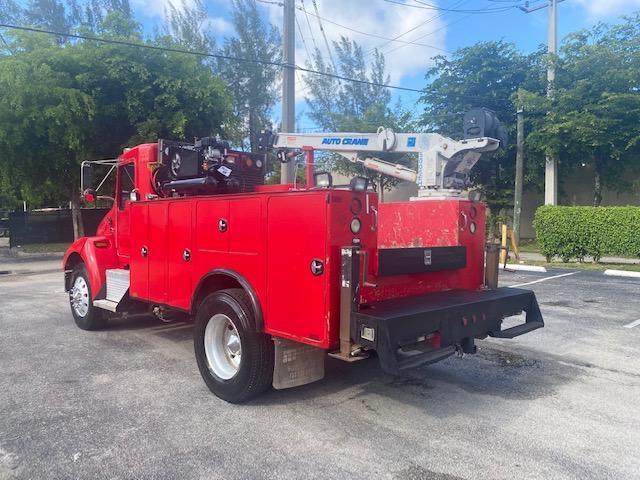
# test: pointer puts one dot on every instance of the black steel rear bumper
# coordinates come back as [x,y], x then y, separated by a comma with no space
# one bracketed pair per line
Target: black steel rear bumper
[397,328]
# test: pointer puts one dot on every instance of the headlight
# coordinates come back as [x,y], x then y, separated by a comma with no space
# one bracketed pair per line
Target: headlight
[473,227]
[356,225]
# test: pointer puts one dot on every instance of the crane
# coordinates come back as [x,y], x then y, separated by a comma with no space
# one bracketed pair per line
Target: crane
[444,164]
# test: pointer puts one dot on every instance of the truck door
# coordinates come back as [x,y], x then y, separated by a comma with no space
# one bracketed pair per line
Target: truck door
[179,253]
[296,264]
[139,261]
[125,184]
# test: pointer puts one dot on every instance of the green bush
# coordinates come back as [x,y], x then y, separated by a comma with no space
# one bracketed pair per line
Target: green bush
[578,232]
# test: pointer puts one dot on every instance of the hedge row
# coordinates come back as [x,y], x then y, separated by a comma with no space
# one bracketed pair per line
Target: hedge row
[578,232]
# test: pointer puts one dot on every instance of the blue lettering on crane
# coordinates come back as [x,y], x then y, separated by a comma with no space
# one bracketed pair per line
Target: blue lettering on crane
[411,142]
[344,141]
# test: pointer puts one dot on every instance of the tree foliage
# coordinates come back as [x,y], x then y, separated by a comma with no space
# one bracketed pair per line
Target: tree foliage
[254,87]
[343,106]
[595,106]
[64,103]
[187,26]
[487,74]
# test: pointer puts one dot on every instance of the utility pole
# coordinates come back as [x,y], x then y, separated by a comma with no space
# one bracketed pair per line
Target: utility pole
[551,164]
[517,204]
[287,170]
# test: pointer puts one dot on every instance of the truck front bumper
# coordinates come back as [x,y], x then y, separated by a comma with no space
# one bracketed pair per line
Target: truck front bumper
[413,331]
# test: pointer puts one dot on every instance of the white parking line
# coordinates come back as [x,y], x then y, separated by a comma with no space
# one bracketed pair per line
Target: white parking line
[632,324]
[542,280]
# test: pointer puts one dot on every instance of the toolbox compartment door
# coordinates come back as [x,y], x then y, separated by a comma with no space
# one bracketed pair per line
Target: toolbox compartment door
[139,263]
[157,255]
[296,238]
[179,254]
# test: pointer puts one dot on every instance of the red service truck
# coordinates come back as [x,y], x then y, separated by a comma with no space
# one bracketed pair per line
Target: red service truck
[275,277]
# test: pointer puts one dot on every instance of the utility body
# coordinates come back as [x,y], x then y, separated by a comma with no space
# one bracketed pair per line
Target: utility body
[277,276]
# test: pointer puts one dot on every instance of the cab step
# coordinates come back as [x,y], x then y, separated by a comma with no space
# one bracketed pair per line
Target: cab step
[117,287]
[117,284]
[106,305]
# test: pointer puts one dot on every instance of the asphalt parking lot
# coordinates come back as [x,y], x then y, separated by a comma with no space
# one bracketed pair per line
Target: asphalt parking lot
[128,402]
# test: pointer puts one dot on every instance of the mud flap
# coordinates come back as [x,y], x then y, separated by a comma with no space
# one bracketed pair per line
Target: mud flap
[296,364]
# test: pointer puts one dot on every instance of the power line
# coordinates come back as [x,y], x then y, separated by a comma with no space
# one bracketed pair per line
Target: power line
[324,35]
[428,6]
[313,38]
[269,2]
[306,49]
[204,54]
[370,34]
[304,43]
[427,21]
[432,32]
[6,44]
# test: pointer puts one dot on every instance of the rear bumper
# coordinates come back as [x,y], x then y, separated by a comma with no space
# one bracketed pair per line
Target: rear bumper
[449,320]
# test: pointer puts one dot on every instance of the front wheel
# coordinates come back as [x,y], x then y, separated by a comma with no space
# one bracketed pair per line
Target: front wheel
[235,361]
[87,316]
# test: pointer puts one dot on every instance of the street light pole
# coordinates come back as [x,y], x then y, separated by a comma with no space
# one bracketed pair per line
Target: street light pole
[517,204]
[551,163]
[287,170]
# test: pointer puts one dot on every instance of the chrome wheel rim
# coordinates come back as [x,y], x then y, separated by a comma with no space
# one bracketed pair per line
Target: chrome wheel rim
[222,346]
[79,297]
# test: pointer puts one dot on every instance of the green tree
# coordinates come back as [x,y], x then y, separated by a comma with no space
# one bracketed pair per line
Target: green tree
[344,106]
[595,107]
[254,86]
[61,104]
[49,15]
[487,74]
[10,12]
[187,26]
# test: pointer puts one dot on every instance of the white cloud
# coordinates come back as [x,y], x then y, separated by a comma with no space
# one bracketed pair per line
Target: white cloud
[378,18]
[152,8]
[218,26]
[606,8]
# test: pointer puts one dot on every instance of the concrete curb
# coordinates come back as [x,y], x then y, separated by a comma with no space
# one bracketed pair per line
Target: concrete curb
[525,268]
[622,273]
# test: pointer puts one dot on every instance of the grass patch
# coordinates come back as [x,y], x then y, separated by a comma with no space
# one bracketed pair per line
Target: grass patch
[529,246]
[44,248]
[598,267]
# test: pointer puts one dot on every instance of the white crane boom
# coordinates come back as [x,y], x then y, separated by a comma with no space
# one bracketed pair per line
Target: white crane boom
[434,151]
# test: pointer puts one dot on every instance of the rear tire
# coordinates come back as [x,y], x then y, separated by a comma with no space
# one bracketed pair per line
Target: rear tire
[86,316]
[235,361]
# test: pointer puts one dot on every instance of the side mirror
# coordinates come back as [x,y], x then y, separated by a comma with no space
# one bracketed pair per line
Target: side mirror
[89,195]
[134,195]
[86,176]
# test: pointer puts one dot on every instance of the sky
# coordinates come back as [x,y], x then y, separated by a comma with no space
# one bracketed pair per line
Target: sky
[422,31]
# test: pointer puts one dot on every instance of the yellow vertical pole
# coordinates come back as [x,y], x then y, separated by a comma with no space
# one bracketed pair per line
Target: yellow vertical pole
[514,244]
[503,250]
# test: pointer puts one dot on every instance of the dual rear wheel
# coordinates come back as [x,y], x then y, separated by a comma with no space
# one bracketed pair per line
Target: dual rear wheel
[235,361]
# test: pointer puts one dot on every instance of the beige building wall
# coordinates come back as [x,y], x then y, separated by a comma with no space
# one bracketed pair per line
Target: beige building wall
[577,189]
